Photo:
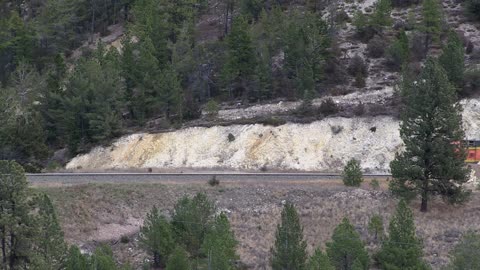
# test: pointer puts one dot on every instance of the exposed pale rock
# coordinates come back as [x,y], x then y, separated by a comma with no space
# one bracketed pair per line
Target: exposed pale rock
[319,146]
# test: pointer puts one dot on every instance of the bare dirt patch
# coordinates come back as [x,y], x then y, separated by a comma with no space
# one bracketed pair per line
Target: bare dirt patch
[106,212]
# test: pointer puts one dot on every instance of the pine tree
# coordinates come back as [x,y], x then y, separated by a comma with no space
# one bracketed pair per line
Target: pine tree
[352,173]
[172,94]
[17,228]
[432,163]
[375,226]
[50,245]
[240,64]
[219,244]
[102,259]
[346,248]
[381,14]
[76,260]
[466,254]
[319,261]
[156,237]
[178,260]
[432,21]
[401,249]
[191,221]
[289,250]
[399,52]
[453,60]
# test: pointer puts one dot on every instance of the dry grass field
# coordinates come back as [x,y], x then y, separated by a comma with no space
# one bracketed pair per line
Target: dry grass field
[94,213]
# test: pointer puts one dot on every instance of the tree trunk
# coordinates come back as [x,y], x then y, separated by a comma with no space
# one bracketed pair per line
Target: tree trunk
[424,206]
[4,248]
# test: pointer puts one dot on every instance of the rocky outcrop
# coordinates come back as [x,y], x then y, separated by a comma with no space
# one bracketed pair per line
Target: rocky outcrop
[324,145]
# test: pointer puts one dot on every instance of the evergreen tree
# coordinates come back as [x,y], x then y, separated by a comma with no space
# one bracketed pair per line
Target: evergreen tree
[157,238]
[76,260]
[381,14]
[352,174]
[432,163]
[102,259]
[319,261]
[191,221]
[452,60]
[240,64]
[50,244]
[289,250]
[346,248]
[252,8]
[466,254]
[172,94]
[401,249]
[399,52]
[219,244]
[17,230]
[23,137]
[306,50]
[432,21]
[375,226]
[178,260]
[92,103]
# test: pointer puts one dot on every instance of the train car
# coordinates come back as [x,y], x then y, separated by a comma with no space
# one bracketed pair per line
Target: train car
[473,151]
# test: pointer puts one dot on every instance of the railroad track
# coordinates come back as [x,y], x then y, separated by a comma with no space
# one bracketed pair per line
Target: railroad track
[126,177]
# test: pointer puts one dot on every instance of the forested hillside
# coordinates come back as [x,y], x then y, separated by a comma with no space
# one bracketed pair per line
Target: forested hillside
[66,83]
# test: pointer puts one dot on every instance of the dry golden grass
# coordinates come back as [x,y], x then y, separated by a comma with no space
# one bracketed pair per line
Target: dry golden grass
[104,212]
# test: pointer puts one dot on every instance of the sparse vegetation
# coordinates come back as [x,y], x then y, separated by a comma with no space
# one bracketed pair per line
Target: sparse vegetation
[213,181]
[374,184]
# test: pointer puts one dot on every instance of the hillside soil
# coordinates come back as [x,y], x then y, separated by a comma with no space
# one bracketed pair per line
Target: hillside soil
[94,213]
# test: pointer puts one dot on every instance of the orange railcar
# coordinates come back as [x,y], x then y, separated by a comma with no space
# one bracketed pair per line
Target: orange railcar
[473,151]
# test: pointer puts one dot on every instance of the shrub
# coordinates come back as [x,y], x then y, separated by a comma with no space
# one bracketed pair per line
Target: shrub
[124,239]
[363,28]
[214,181]
[212,108]
[473,8]
[470,47]
[357,66]
[328,107]
[376,47]
[360,81]
[359,110]
[231,137]
[374,184]
[352,173]
[336,129]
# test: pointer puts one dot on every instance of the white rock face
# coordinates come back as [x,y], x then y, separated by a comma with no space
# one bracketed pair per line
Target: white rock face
[320,146]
